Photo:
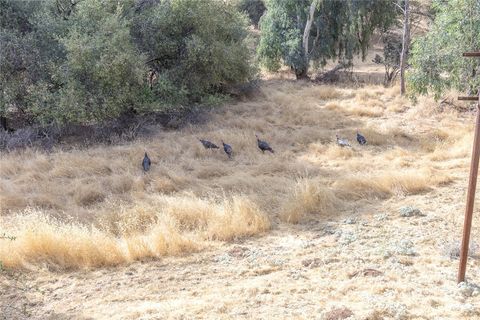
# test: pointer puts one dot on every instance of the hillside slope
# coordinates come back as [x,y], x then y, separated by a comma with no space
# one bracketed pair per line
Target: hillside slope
[286,235]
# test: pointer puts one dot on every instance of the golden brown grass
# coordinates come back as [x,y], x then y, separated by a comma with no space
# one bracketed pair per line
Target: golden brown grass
[175,225]
[382,185]
[366,111]
[95,207]
[309,197]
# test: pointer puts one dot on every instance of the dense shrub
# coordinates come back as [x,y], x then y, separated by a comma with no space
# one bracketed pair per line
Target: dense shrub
[69,61]
[195,47]
[436,58]
[24,56]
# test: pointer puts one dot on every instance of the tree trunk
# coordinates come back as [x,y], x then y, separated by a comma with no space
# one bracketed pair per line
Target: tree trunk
[305,39]
[301,73]
[308,27]
[3,123]
[405,44]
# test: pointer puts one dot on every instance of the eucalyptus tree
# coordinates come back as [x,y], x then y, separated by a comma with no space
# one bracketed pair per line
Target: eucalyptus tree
[301,33]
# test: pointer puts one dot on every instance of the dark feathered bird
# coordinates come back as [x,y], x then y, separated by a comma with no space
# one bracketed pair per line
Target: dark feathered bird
[146,163]
[228,149]
[361,139]
[208,145]
[263,145]
[342,142]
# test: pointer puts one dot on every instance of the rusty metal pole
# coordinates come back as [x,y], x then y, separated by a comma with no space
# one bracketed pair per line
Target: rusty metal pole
[472,184]
[468,98]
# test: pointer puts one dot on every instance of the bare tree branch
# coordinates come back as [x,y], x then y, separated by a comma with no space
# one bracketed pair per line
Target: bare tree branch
[398,6]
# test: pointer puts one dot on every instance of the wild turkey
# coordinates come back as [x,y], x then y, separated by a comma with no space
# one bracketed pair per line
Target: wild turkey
[342,142]
[263,145]
[228,149]
[208,145]
[361,139]
[146,163]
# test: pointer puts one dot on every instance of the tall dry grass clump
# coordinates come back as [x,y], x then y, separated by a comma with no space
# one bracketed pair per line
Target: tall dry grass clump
[456,144]
[385,184]
[309,197]
[43,240]
[180,224]
[323,92]
[223,220]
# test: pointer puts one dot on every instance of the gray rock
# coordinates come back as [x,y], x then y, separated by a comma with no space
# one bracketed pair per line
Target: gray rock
[452,249]
[381,217]
[466,310]
[411,212]
[312,263]
[392,310]
[277,262]
[350,221]
[347,237]
[405,248]
[468,289]
[223,258]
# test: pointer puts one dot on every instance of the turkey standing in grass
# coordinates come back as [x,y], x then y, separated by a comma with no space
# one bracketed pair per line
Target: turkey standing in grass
[208,145]
[228,149]
[146,163]
[361,139]
[263,145]
[342,142]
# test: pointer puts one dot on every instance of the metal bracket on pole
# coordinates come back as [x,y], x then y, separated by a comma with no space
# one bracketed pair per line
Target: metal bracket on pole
[468,98]
[471,54]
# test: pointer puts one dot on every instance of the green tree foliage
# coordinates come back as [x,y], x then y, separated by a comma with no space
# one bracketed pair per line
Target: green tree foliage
[253,8]
[84,61]
[22,54]
[339,29]
[103,73]
[436,59]
[196,48]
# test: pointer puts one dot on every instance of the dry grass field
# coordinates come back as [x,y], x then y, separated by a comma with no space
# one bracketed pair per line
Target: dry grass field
[291,235]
